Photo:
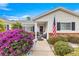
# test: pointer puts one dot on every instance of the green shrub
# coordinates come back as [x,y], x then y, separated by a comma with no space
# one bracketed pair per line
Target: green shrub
[2,27]
[62,48]
[74,53]
[60,38]
[16,25]
[52,40]
[73,39]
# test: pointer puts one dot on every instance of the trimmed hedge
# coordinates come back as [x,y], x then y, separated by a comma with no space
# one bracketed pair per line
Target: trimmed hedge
[61,48]
[52,40]
[73,39]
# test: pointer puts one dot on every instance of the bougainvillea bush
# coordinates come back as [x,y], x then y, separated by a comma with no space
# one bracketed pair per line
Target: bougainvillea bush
[15,42]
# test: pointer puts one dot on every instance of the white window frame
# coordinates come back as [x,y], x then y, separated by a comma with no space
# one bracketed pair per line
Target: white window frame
[66,23]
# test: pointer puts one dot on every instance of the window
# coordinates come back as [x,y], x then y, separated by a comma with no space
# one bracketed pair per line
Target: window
[32,29]
[65,26]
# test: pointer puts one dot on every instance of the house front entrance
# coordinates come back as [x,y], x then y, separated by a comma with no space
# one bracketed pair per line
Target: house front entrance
[42,29]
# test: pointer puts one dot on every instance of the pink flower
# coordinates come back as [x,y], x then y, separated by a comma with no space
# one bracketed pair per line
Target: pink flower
[13,40]
[0,49]
[11,49]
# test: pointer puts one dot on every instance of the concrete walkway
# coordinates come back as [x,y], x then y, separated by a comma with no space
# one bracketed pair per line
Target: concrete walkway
[41,48]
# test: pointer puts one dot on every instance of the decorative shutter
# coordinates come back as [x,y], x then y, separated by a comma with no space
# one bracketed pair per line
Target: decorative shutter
[58,26]
[73,25]
[33,28]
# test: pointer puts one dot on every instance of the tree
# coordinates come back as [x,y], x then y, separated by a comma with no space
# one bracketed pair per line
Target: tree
[28,18]
[2,25]
[16,25]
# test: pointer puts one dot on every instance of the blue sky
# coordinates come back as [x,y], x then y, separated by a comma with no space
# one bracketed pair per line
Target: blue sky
[18,10]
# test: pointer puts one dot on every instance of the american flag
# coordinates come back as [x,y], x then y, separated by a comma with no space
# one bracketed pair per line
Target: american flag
[54,28]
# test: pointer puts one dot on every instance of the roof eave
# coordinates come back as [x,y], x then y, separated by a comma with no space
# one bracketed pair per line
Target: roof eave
[60,8]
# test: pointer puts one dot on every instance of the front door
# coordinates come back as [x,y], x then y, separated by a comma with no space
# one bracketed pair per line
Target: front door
[41,29]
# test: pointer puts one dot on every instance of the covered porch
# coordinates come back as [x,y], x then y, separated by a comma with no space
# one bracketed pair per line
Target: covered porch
[42,29]
[38,28]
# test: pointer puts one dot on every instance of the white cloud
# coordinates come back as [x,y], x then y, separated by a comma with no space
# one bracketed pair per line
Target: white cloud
[11,17]
[77,10]
[24,16]
[15,17]
[3,6]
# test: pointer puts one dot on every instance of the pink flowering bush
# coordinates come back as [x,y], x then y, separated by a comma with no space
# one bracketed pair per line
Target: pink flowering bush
[15,42]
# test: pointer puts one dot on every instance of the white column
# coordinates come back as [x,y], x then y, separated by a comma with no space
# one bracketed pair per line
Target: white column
[35,31]
[47,31]
[10,26]
[47,35]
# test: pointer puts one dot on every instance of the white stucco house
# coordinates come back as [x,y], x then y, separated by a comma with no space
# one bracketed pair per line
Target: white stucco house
[67,22]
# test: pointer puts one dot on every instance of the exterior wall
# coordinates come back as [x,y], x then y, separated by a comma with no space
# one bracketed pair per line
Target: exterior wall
[60,16]
[28,26]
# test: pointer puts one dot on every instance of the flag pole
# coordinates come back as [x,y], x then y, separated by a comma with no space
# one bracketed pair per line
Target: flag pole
[54,27]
